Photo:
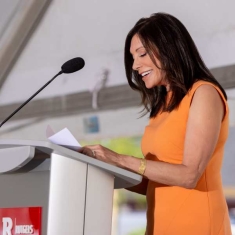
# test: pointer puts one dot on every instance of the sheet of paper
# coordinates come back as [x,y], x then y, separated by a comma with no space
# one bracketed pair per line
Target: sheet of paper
[63,138]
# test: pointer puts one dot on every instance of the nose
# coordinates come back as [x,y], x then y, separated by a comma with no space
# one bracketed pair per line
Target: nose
[136,64]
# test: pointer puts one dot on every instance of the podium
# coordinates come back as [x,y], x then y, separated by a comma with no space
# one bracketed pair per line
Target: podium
[74,191]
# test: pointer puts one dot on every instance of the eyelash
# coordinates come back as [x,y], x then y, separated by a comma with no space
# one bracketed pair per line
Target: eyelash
[143,55]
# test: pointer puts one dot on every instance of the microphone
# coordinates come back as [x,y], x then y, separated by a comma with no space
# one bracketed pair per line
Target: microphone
[73,65]
[70,66]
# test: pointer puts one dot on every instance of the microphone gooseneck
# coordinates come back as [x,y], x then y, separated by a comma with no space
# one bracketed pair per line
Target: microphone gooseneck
[70,66]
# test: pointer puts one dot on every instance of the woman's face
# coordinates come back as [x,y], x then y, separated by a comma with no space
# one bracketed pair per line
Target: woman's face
[151,75]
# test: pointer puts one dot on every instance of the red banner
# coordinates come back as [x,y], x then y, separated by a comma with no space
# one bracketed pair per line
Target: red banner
[25,221]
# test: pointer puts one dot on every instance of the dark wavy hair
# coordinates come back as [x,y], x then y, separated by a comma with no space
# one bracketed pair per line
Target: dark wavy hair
[166,38]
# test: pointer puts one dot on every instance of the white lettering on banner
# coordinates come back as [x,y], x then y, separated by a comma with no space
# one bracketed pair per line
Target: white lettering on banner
[24,229]
[19,229]
[7,225]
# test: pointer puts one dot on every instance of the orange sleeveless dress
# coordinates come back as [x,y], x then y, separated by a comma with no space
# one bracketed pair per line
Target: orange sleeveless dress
[173,210]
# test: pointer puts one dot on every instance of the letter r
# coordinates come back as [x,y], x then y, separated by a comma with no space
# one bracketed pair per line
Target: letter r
[7,226]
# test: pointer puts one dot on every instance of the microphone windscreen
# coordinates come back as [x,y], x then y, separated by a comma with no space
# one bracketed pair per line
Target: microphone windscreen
[73,65]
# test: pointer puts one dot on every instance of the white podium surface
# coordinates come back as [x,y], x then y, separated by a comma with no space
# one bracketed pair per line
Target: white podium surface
[75,191]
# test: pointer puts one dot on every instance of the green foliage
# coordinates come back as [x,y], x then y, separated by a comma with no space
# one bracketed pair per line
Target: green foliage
[123,145]
[138,232]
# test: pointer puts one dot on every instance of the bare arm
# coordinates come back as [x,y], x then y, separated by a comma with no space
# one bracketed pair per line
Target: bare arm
[203,128]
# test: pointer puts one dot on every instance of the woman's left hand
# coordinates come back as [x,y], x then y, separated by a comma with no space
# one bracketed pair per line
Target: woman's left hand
[101,153]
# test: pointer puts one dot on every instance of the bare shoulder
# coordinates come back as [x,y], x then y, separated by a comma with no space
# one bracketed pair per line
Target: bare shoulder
[208,94]
[206,88]
[208,97]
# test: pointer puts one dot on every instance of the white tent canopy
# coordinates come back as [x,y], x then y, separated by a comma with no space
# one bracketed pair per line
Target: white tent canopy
[96,31]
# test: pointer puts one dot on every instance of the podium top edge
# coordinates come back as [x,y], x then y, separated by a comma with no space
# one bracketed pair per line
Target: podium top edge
[57,149]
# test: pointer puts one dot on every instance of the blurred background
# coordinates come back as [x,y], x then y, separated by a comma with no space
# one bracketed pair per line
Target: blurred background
[96,103]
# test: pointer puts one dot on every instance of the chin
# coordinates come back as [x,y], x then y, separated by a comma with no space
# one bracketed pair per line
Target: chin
[149,86]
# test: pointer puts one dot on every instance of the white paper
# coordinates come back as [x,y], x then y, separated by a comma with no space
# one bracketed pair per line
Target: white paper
[63,138]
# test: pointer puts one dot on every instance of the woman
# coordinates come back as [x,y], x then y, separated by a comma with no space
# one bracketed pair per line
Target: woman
[183,144]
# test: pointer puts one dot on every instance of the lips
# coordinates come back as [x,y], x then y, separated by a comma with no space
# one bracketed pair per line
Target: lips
[146,73]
